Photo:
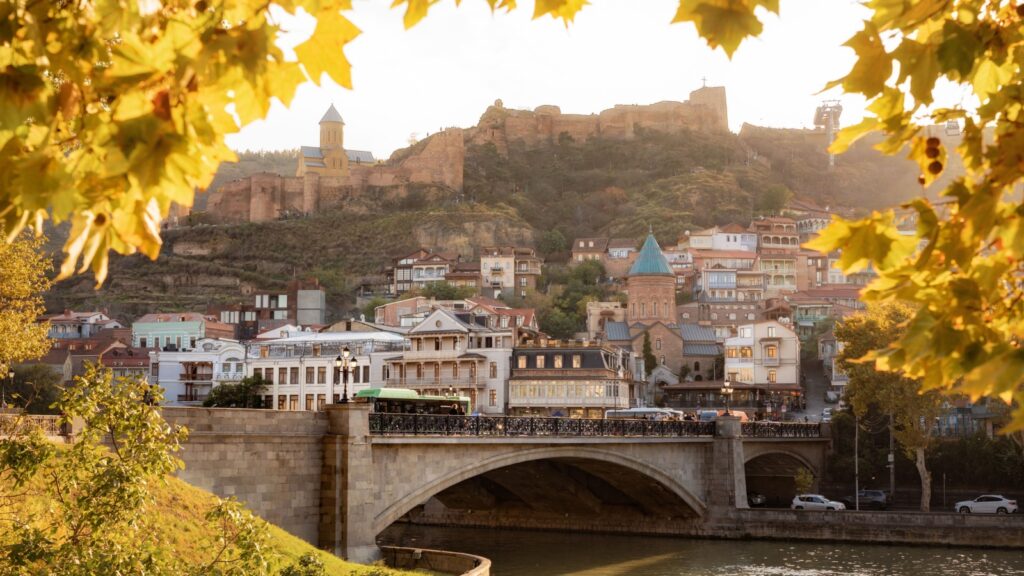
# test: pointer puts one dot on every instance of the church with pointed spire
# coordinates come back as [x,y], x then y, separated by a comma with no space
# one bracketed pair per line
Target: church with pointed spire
[330,158]
[651,285]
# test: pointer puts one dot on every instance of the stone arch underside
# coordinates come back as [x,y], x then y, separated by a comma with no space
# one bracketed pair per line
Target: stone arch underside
[772,474]
[556,481]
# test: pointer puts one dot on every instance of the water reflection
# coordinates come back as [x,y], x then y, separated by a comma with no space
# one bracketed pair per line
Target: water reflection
[519,553]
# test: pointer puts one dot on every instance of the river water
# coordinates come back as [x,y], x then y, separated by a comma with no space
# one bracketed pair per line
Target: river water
[522,553]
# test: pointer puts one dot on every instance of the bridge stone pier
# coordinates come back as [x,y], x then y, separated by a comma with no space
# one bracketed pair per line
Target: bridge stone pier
[335,480]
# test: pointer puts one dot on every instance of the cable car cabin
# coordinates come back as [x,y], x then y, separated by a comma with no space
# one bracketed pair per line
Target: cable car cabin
[405,401]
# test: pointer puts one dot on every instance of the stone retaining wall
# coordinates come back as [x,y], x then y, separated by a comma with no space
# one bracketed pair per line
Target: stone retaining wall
[268,460]
[436,561]
[942,529]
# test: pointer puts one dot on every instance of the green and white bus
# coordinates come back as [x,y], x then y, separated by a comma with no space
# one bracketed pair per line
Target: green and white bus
[406,401]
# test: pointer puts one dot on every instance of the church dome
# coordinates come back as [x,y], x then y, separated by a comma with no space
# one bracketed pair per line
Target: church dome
[650,261]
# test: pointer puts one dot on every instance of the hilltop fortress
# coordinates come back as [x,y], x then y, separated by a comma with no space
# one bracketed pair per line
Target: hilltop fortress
[330,175]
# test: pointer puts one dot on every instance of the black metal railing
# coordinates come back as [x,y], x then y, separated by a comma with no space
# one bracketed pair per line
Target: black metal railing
[781,429]
[50,425]
[443,425]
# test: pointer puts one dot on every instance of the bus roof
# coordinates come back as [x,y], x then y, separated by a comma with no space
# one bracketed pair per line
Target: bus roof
[388,393]
[402,394]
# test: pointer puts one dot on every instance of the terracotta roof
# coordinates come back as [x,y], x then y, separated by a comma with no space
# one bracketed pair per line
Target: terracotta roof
[174,317]
[723,254]
[619,243]
[734,228]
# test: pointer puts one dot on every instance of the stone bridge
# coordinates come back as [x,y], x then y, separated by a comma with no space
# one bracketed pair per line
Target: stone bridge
[340,477]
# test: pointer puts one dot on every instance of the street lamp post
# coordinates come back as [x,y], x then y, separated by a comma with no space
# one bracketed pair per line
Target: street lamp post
[727,392]
[343,366]
[3,390]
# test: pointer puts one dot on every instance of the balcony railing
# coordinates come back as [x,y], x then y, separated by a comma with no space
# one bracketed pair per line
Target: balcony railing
[443,425]
[228,376]
[766,361]
[431,382]
[197,376]
[193,397]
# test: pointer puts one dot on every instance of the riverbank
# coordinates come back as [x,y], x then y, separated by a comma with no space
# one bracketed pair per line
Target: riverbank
[910,528]
[542,553]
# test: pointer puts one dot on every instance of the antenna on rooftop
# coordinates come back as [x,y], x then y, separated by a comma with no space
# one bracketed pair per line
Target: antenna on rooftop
[827,117]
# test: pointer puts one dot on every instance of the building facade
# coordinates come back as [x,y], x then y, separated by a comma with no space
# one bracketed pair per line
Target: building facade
[188,376]
[766,358]
[177,330]
[456,354]
[300,369]
[576,379]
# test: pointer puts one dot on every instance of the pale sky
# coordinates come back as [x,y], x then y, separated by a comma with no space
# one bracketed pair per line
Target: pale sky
[456,62]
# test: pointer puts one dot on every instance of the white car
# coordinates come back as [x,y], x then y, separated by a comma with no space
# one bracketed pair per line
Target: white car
[815,502]
[826,415]
[987,504]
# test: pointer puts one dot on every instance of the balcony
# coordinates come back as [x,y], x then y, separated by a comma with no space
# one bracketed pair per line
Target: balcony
[766,361]
[533,269]
[197,376]
[193,396]
[431,355]
[431,382]
[228,376]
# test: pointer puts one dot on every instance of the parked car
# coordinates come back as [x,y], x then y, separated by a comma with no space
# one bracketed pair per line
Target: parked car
[826,415]
[756,499]
[831,397]
[987,504]
[815,502]
[869,500]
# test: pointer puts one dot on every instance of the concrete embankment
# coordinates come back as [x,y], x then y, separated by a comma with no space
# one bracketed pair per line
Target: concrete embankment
[934,529]
[436,561]
[916,528]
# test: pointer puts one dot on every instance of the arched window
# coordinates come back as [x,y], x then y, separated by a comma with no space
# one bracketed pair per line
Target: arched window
[657,344]
[696,366]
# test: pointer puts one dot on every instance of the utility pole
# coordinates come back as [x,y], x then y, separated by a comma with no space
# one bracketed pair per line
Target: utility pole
[892,461]
[856,462]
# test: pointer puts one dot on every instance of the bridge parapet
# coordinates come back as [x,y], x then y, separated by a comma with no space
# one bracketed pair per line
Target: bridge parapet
[515,426]
[444,425]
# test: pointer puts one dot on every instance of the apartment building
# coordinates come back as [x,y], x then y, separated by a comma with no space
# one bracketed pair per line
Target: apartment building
[766,358]
[456,353]
[187,376]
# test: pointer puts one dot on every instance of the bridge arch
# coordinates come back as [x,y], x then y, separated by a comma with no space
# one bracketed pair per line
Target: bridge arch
[407,503]
[771,473]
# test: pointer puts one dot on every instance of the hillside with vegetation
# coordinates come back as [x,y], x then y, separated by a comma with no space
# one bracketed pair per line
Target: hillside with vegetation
[541,196]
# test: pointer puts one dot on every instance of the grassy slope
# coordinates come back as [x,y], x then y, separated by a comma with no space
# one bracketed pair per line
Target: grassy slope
[176,520]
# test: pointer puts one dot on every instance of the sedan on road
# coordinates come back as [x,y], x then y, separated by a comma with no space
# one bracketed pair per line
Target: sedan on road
[987,504]
[815,502]
[869,500]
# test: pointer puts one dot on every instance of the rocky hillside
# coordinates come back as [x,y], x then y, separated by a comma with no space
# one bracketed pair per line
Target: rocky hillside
[540,195]
[211,264]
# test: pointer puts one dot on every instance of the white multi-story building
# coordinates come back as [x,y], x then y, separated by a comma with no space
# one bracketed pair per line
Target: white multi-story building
[765,358]
[187,376]
[453,353]
[300,369]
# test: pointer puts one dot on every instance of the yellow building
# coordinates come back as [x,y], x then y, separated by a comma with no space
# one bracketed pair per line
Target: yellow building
[330,158]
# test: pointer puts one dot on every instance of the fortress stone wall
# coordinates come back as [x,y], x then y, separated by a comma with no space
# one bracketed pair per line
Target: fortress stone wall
[439,159]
